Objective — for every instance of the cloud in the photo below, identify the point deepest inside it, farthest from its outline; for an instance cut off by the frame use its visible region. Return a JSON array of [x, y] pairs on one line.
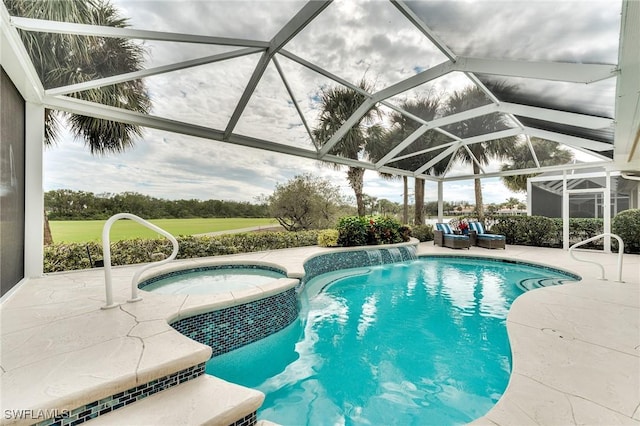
[[352, 39]]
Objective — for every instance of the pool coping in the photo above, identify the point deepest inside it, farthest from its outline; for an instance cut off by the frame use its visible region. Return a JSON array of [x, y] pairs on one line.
[[43, 311]]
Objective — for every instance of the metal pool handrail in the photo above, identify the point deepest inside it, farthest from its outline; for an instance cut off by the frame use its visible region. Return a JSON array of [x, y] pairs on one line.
[[620, 252], [106, 249]]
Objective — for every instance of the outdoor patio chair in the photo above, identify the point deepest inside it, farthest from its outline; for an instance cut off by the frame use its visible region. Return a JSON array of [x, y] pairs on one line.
[[482, 239], [444, 236]]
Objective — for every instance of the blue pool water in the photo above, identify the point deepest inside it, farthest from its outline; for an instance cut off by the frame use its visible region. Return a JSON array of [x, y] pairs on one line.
[[209, 280], [418, 342]]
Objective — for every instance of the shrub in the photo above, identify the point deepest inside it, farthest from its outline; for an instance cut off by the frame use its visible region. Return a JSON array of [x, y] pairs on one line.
[[383, 230], [626, 225], [352, 230], [65, 257], [405, 232], [328, 238], [422, 232], [368, 230], [528, 230]]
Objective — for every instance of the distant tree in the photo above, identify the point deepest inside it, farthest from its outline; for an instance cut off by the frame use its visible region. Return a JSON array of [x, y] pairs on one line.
[[492, 208], [511, 203], [338, 104], [64, 204], [389, 208], [371, 203], [548, 153], [305, 202]]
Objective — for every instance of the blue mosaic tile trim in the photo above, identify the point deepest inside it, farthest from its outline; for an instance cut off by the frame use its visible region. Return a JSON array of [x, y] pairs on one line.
[[152, 280], [230, 328], [248, 420], [355, 259], [106, 405]]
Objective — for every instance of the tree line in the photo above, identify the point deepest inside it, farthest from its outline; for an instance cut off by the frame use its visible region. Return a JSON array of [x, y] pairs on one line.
[[64, 204]]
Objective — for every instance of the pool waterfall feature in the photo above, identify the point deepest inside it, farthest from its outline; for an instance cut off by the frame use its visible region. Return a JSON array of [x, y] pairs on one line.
[[356, 257]]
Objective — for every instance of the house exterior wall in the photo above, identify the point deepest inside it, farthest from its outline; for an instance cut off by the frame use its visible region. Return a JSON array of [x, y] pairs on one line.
[[12, 178]]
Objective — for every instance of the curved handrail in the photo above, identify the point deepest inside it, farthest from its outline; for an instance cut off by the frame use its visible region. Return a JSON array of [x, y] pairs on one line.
[[106, 249], [620, 252]]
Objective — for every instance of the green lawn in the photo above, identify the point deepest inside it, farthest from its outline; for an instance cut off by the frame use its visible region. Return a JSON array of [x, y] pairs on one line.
[[91, 230]]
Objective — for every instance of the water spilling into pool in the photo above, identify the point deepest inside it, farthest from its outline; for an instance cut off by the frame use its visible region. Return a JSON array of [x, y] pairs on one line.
[[418, 342]]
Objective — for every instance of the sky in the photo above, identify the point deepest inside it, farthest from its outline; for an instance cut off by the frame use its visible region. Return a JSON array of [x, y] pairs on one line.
[[354, 40]]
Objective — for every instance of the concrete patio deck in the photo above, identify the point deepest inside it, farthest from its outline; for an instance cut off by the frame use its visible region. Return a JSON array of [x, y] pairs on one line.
[[576, 347]]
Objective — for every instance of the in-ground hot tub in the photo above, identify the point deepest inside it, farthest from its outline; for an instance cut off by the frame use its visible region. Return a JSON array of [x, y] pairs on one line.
[[212, 279]]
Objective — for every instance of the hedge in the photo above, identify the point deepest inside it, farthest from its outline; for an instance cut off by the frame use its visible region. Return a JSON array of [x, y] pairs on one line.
[[547, 232], [522, 230], [65, 257]]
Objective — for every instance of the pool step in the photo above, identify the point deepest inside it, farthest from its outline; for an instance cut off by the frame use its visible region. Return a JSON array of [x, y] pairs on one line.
[[205, 400], [533, 283]]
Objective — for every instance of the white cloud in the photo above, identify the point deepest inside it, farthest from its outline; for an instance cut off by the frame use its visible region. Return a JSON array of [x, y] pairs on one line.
[[351, 39]]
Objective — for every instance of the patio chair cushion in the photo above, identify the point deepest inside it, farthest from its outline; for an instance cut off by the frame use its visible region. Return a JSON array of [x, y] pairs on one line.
[[476, 226], [479, 229], [445, 228], [491, 236]]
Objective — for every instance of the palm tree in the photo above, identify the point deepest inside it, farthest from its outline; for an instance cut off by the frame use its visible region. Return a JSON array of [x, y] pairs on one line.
[[403, 126], [338, 104], [484, 152], [548, 153], [63, 59]]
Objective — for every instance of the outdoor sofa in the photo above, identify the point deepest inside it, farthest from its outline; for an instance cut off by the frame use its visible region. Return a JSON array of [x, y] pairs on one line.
[[481, 238], [444, 236]]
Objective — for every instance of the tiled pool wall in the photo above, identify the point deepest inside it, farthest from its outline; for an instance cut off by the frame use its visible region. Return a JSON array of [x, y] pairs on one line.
[[230, 328], [329, 262], [106, 405], [152, 280], [248, 420]]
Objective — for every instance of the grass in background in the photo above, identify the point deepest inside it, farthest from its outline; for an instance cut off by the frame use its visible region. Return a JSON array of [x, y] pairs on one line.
[[78, 231]]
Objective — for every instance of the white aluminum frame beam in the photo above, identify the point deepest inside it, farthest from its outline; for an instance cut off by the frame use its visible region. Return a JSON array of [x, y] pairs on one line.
[[57, 27], [469, 141], [16, 62], [411, 82], [449, 119], [78, 106], [121, 78], [424, 29], [532, 151], [293, 99], [555, 71], [444, 154], [542, 169], [627, 110], [573, 141], [296, 24], [555, 116]]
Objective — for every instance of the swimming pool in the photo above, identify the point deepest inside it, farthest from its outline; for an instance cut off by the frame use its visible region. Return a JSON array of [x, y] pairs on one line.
[[418, 342], [212, 279]]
